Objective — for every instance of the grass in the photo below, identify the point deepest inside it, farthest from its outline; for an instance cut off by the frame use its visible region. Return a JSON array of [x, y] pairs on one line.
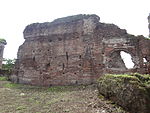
[[20, 108], [122, 76], [12, 85], [141, 78], [58, 88], [3, 78], [125, 89], [17, 98], [64, 88]]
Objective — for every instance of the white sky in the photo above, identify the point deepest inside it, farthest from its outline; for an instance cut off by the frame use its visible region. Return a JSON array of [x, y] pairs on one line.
[[16, 14], [127, 59]]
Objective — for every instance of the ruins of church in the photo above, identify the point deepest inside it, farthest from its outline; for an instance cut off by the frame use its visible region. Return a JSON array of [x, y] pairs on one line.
[[77, 50]]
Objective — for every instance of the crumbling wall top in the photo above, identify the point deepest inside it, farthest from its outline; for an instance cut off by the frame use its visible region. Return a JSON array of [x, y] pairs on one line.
[[75, 18], [71, 24]]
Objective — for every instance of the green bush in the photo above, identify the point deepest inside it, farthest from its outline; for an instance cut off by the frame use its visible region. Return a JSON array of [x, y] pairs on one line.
[[3, 41], [8, 64]]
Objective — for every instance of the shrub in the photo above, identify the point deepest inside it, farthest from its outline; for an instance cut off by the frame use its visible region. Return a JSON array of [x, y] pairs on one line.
[[8, 64]]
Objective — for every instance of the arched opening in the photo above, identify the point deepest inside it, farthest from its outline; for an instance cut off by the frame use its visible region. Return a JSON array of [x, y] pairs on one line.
[[127, 59], [144, 60], [120, 60]]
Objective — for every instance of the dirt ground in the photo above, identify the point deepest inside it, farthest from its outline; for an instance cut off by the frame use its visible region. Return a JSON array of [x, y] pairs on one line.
[[16, 98]]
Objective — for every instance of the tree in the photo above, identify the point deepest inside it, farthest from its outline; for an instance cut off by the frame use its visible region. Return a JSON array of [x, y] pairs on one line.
[[8, 64]]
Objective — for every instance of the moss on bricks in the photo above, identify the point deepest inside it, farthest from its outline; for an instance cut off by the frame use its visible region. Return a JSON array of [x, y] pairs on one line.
[[130, 91]]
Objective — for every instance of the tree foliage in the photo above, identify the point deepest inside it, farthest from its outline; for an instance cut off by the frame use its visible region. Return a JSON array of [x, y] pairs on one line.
[[8, 64], [3, 41]]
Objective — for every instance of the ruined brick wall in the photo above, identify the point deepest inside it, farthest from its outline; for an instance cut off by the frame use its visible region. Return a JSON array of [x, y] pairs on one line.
[[149, 24], [76, 50], [2, 46]]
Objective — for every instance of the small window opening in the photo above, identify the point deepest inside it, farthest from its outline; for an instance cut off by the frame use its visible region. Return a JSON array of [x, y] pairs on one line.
[[50, 40], [76, 82], [59, 39], [48, 65], [144, 60], [63, 66], [67, 55], [33, 58], [79, 56]]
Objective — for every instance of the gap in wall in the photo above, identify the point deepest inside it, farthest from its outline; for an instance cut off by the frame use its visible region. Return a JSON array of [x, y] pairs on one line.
[[127, 59]]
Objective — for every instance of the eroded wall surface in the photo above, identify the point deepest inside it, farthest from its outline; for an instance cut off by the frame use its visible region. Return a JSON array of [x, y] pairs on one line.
[[2, 46], [77, 50], [149, 24]]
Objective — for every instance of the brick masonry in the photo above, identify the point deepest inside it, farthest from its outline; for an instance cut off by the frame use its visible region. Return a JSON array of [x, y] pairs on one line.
[[149, 24], [76, 50]]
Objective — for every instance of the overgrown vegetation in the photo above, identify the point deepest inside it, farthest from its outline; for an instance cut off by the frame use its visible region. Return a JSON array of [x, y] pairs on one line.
[[12, 85], [131, 91], [3, 41], [8, 64]]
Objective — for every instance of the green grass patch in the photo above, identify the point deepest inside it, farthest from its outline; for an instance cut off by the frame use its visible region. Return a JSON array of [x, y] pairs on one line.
[[142, 77], [64, 88], [101, 96], [119, 78], [20, 108], [12, 85], [3, 78], [59, 88], [122, 76]]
